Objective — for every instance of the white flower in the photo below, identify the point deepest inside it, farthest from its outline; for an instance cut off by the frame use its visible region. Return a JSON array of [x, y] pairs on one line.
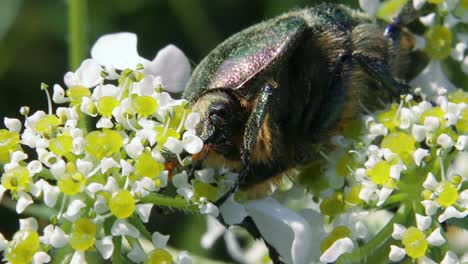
[[396, 253], [41, 257], [451, 212], [118, 50], [214, 229], [369, 6], [122, 228], [87, 75], [136, 255], [432, 79], [173, 66], [159, 240], [284, 229], [338, 248], [12, 124], [73, 210], [105, 246], [419, 155], [184, 258], [144, 211]]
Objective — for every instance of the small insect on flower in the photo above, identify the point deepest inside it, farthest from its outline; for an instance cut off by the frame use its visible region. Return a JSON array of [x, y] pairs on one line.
[[271, 92]]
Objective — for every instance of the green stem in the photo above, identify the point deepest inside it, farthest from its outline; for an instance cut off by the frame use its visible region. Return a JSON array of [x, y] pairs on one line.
[[117, 253], [177, 203], [396, 198], [360, 254], [76, 28]]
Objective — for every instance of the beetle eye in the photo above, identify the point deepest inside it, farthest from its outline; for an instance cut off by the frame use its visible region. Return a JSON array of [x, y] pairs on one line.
[[219, 109]]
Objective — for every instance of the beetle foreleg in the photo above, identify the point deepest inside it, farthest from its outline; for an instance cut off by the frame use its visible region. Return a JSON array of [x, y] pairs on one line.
[[252, 128]]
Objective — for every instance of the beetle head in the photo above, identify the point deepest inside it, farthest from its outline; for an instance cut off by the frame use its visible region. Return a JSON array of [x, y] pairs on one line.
[[221, 124]]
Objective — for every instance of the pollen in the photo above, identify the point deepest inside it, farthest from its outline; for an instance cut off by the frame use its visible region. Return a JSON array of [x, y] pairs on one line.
[[144, 105], [414, 242], [122, 204], [448, 194], [83, 233], [159, 256], [22, 248]]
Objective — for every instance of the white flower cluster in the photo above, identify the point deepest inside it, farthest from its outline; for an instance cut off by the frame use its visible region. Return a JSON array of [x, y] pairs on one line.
[[95, 161]]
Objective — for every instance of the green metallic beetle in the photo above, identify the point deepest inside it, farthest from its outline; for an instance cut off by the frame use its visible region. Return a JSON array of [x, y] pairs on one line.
[[271, 91], [267, 94]]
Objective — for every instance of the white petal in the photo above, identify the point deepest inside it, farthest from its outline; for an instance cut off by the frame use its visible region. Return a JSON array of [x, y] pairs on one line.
[[122, 228], [41, 257], [205, 175], [73, 210], [127, 168], [84, 166], [233, 212], [460, 165], [58, 168], [28, 223], [144, 211], [105, 247], [419, 155], [430, 206], [432, 78], [59, 95], [3, 242], [465, 65], [209, 209], [426, 260], [284, 229], [398, 231], [430, 183], [12, 124], [369, 6], [192, 121], [104, 122], [78, 258], [462, 143], [58, 238], [431, 123], [34, 167], [134, 148], [173, 66], [436, 238], [339, 247], [418, 4], [445, 141], [396, 170], [450, 258], [100, 206], [174, 145], [24, 201], [214, 229], [2, 191], [427, 20], [184, 258], [136, 255], [180, 180], [118, 50], [186, 192], [89, 73], [423, 222], [192, 144], [451, 212], [92, 188], [159, 240], [51, 194], [108, 163], [418, 132], [396, 253], [384, 193]]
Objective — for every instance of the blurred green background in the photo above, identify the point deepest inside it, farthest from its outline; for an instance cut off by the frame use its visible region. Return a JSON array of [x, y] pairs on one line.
[[34, 49]]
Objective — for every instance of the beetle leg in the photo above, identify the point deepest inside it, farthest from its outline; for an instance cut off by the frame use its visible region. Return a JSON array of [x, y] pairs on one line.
[[379, 70], [252, 128]]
